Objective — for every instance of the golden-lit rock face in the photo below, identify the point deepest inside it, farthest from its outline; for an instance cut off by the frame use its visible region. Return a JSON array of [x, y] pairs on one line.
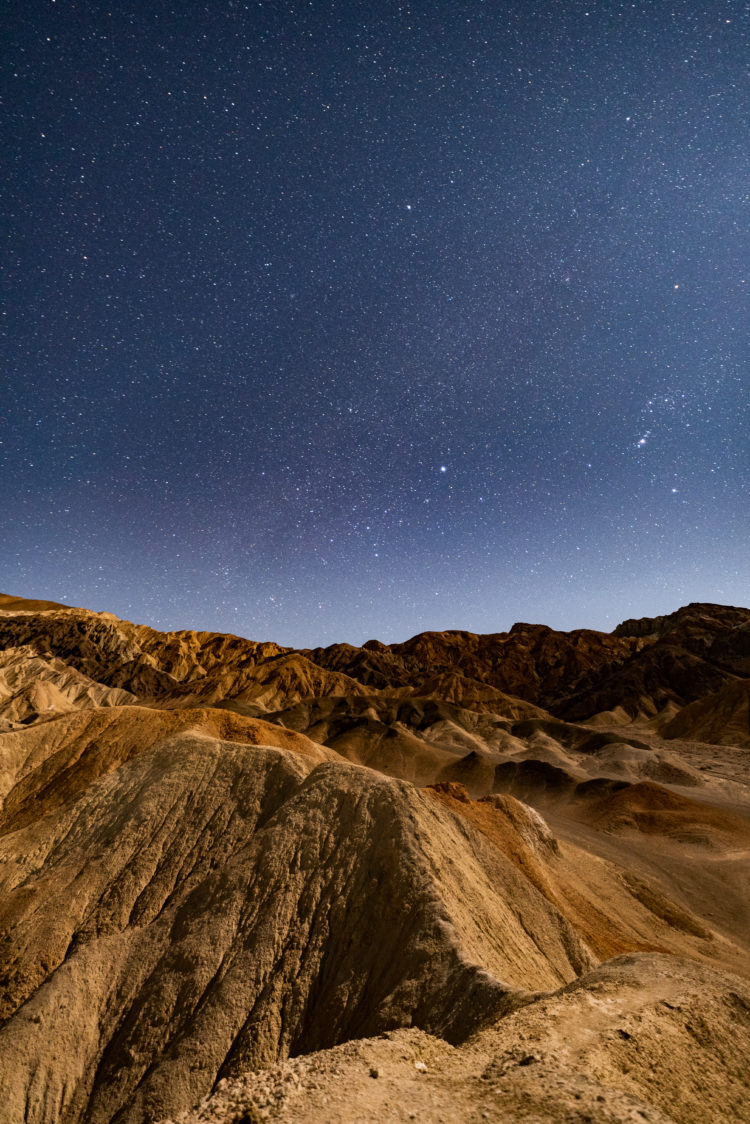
[[216, 854]]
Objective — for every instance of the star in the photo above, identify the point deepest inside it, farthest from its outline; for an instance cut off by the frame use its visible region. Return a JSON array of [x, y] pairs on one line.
[[266, 335]]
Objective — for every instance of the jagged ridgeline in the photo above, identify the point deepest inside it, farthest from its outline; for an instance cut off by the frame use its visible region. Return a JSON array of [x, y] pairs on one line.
[[522, 858]]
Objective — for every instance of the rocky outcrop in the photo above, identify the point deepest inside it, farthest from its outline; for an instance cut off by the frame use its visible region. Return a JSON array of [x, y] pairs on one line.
[[687, 654], [698, 619]]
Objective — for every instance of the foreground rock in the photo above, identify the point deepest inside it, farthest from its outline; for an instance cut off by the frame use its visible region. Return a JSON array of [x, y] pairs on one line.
[[641, 1040], [206, 906]]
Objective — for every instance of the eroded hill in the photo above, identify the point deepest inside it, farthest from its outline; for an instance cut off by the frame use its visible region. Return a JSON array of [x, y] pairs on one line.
[[217, 854]]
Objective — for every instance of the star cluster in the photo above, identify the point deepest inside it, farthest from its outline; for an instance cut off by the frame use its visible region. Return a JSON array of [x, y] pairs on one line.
[[328, 320]]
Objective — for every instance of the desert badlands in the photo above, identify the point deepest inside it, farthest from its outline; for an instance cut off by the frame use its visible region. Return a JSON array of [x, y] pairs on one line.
[[461, 878]]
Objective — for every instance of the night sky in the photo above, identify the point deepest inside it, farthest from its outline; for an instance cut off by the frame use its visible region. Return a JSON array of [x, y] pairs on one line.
[[331, 320]]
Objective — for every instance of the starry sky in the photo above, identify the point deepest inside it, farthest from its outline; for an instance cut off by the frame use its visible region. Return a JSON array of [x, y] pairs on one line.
[[329, 320]]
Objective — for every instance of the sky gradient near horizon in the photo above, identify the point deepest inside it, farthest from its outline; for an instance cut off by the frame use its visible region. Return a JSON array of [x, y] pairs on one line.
[[332, 320]]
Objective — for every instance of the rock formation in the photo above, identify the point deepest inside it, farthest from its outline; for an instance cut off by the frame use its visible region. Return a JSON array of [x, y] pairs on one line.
[[274, 884]]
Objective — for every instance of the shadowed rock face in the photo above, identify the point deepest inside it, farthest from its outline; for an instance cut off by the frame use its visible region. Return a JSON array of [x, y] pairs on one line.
[[644, 1038], [691, 653], [215, 854]]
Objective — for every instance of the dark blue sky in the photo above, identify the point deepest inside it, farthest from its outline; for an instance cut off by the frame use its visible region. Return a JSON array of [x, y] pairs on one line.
[[329, 320]]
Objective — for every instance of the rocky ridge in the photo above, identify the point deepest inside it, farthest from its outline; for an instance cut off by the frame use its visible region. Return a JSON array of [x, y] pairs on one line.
[[216, 854]]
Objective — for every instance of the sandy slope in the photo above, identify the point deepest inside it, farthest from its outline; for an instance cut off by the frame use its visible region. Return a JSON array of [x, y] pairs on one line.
[[642, 1040]]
